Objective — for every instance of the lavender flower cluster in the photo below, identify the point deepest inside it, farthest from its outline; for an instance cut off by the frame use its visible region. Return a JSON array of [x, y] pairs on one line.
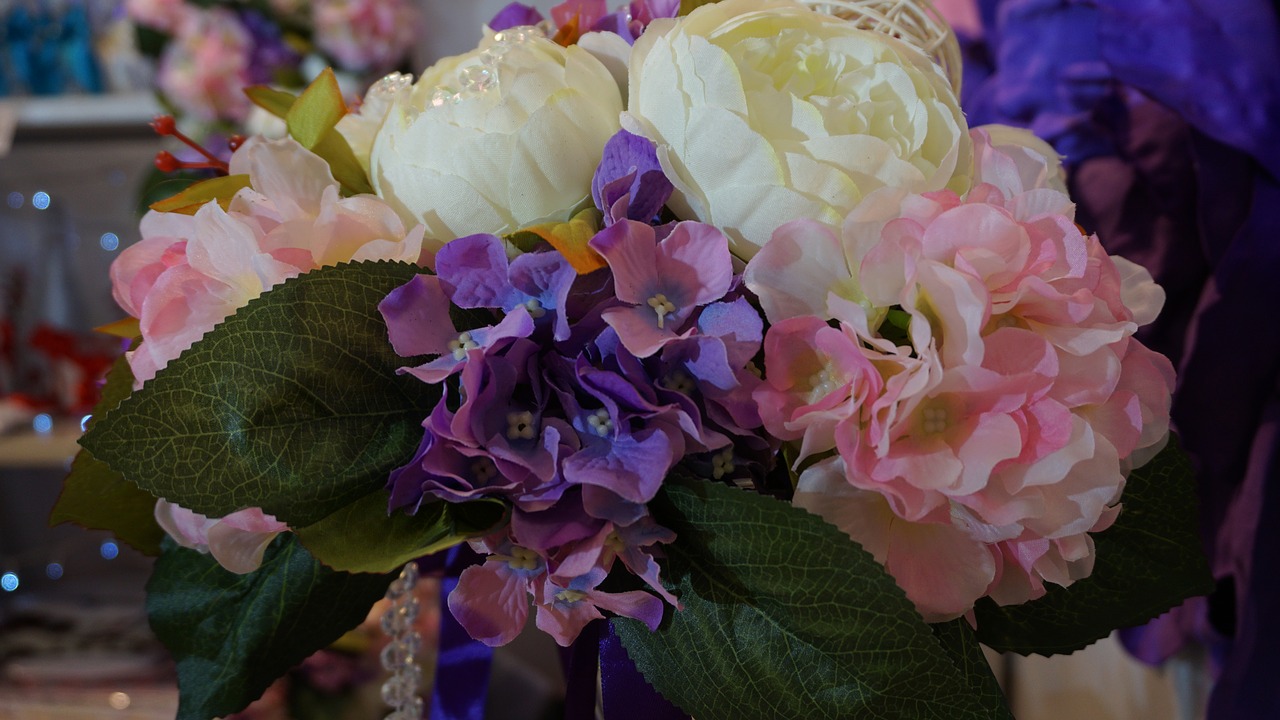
[[579, 398]]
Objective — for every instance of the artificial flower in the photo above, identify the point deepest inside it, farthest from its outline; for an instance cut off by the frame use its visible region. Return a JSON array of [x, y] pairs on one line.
[[784, 112], [458, 152], [970, 362], [365, 35]]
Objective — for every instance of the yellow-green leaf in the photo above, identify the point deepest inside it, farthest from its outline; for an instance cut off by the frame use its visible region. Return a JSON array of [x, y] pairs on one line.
[[128, 328], [276, 102], [343, 164], [219, 190], [317, 110], [363, 537], [96, 497], [688, 6]]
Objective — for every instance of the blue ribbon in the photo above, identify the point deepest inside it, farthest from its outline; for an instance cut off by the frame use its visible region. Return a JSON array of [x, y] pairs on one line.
[[463, 668]]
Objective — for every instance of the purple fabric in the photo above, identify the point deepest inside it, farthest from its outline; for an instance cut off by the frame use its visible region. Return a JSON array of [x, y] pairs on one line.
[[515, 15], [624, 691], [463, 665], [1217, 62]]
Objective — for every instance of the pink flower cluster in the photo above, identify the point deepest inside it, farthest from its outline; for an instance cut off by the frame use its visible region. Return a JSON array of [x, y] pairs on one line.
[[365, 35], [962, 379], [206, 67], [189, 272]]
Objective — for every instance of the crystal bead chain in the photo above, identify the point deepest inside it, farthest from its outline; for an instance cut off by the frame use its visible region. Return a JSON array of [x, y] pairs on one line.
[[400, 656]]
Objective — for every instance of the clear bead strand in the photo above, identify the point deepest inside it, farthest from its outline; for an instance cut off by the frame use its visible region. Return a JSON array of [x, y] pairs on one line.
[[400, 656]]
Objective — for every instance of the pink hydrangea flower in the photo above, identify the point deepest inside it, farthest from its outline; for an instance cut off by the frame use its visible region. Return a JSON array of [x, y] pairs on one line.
[[163, 15], [205, 68], [190, 272], [980, 469], [365, 35]]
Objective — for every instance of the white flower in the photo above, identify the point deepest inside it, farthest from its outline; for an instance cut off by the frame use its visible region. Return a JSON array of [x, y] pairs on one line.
[[496, 139], [766, 111]]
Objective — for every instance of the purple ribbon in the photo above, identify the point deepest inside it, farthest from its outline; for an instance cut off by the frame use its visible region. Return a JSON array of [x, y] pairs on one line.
[[463, 668], [625, 691], [581, 662]]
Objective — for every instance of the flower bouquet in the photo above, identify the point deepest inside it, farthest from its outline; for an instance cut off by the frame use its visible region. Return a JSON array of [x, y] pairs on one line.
[[708, 332]]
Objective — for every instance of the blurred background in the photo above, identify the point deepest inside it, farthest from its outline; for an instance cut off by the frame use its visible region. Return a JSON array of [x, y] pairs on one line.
[[1166, 113]]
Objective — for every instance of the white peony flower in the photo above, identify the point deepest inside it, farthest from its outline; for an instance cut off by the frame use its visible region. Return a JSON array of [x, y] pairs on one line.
[[502, 137], [765, 111]]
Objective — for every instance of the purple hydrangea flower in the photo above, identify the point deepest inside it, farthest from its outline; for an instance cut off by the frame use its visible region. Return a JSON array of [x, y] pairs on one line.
[[629, 183]]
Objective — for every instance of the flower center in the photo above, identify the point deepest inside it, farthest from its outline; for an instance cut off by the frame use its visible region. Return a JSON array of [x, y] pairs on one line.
[[822, 383], [570, 596], [483, 470], [534, 306], [935, 420], [520, 426], [662, 306], [460, 346], [679, 381], [722, 463], [522, 558], [600, 422]]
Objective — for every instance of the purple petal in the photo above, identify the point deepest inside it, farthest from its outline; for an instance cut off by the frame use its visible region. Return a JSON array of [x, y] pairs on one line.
[[738, 325], [566, 522], [473, 270], [491, 603], [694, 265], [634, 159], [645, 11], [638, 329], [615, 23], [708, 362], [605, 504], [633, 466], [636, 604], [563, 621], [417, 317], [515, 15], [547, 277], [630, 248]]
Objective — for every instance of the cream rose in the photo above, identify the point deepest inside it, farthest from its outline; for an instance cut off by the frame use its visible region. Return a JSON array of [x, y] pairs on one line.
[[502, 137], [767, 111]]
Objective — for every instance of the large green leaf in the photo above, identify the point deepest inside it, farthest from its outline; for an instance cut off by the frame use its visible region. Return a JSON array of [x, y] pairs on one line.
[[233, 635], [786, 617], [362, 537], [959, 640], [293, 404], [97, 497], [1148, 562]]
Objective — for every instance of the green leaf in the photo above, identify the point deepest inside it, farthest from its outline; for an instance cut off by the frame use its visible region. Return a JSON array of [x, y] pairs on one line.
[[233, 635], [292, 404], [688, 6], [343, 164], [363, 538], [961, 643], [316, 111], [194, 197], [96, 497], [276, 102], [786, 617], [1148, 562]]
